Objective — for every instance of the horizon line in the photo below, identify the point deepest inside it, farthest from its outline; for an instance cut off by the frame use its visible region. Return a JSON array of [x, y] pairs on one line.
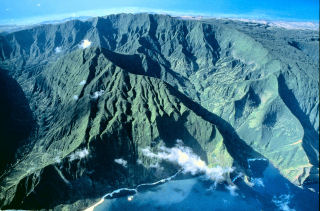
[[87, 14]]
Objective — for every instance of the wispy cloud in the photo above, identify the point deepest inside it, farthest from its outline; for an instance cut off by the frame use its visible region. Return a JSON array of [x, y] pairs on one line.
[[258, 182], [155, 165], [282, 202], [122, 162], [232, 189], [79, 154], [97, 94], [85, 44], [38, 5], [188, 161]]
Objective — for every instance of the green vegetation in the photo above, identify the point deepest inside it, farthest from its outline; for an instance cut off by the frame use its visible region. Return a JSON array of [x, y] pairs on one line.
[[230, 90]]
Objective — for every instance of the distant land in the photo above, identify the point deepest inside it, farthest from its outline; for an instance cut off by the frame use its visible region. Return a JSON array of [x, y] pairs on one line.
[[8, 25]]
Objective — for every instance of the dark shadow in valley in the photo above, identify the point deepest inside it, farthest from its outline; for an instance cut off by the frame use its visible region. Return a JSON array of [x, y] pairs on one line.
[[16, 120], [134, 64], [236, 147], [130, 63]]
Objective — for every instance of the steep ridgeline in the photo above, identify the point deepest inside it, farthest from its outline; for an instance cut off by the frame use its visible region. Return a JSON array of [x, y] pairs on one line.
[[231, 91]]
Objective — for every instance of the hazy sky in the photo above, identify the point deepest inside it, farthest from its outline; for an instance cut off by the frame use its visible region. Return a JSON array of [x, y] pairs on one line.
[[304, 10]]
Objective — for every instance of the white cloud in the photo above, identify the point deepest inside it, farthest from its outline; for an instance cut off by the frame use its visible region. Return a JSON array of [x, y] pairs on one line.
[[58, 50], [303, 25], [122, 162], [97, 94], [179, 142], [257, 182], [295, 25], [130, 198], [85, 44], [188, 161], [79, 154], [232, 189], [282, 202], [155, 165], [83, 82], [38, 5], [57, 159], [75, 97]]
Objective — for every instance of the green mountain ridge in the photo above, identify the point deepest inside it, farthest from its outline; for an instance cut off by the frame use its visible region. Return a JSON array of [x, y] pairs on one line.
[[231, 91]]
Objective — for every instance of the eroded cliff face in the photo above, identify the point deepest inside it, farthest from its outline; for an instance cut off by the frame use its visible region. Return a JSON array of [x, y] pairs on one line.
[[231, 91]]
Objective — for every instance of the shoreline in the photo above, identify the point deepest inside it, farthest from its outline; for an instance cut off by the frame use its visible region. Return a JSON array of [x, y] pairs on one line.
[[120, 191]]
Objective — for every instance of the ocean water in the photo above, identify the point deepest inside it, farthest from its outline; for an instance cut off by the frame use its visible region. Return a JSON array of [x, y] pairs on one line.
[[266, 190]]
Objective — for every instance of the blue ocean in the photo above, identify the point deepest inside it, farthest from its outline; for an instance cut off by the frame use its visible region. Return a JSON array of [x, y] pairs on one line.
[[265, 190]]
